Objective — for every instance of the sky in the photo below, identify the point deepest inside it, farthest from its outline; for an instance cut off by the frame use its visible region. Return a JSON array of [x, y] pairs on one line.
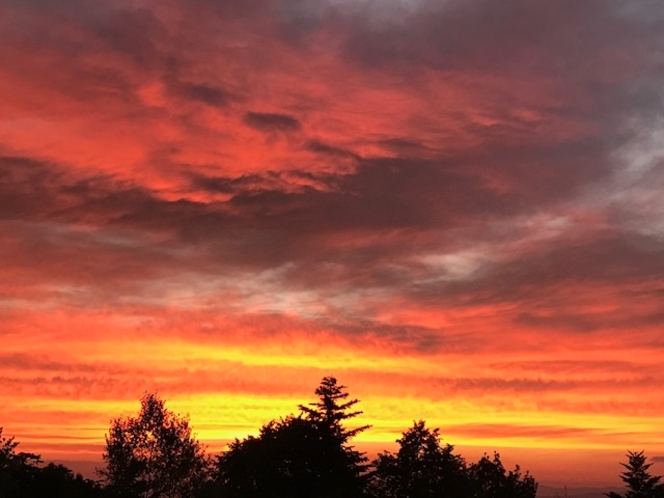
[[454, 207]]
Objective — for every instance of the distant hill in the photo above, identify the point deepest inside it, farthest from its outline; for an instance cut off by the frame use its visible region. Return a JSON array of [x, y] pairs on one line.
[[553, 492]]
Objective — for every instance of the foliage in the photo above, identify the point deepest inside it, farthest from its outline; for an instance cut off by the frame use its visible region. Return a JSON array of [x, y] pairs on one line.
[[153, 455], [491, 480], [299, 456], [21, 476], [283, 461], [16, 469], [331, 409], [640, 484], [327, 414], [422, 468]]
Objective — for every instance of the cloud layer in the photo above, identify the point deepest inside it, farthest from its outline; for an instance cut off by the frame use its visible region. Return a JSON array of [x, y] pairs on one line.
[[455, 207]]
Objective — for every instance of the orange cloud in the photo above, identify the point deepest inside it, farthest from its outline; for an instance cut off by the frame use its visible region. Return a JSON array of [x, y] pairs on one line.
[[458, 216]]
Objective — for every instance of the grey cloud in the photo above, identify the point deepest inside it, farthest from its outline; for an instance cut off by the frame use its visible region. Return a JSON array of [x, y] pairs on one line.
[[269, 122], [248, 183], [560, 36], [591, 55], [27, 186], [582, 322], [329, 150], [600, 258], [405, 147], [136, 33], [210, 95], [266, 212], [269, 222]]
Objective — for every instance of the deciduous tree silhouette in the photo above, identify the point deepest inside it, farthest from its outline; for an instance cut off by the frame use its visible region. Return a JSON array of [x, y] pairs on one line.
[[299, 456], [17, 469], [153, 455], [22, 477], [640, 484], [491, 480], [422, 468]]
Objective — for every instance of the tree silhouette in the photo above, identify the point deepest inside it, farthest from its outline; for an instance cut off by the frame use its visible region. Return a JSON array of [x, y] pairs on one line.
[[331, 409], [422, 468], [639, 482], [21, 476], [491, 480], [283, 461], [328, 413], [17, 469], [58, 481], [299, 456], [309, 455], [153, 455]]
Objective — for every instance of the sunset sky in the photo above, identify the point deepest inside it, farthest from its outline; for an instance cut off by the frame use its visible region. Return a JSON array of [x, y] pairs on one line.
[[455, 207]]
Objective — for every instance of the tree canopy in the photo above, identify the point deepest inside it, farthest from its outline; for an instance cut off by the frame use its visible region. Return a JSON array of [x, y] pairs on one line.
[[424, 468], [299, 456], [303, 455], [21, 476], [492, 480], [153, 455]]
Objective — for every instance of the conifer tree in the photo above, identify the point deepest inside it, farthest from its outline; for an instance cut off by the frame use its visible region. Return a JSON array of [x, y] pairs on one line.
[[299, 456], [331, 409], [640, 484], [328, 413]]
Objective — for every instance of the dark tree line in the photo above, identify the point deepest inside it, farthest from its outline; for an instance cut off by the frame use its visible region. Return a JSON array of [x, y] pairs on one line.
[[23, 476], [309, 455]]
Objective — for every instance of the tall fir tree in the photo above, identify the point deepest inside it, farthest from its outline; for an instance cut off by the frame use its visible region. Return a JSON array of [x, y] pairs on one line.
[[640, 483], [299, 456]]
